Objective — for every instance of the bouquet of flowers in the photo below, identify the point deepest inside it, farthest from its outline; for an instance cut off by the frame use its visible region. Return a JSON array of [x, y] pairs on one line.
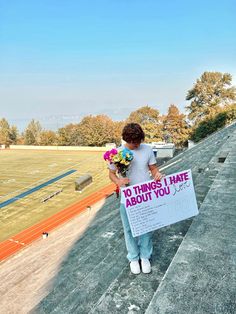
[[121, 159]]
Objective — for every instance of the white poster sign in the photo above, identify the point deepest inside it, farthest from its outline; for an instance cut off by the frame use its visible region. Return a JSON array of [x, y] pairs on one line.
[[152, 205]]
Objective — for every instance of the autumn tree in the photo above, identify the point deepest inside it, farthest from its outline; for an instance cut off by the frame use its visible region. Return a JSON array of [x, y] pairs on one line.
[[32, 133], [150, 121], [98, 130], [118, 127], [230, 111], [209, 95], [20, 139], [5, 132], [48, 137], [8, 134], [212, 124], [70, 135], [14, 134], [175, 127]]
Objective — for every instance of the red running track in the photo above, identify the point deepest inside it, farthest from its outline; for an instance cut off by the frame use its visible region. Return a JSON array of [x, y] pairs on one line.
[[27, 236]]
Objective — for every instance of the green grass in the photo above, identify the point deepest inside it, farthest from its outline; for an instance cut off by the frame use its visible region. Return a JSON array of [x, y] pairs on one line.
[[23, 170]]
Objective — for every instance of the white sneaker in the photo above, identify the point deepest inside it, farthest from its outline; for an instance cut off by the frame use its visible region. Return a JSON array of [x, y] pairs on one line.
[[135, 267], [146, 266]]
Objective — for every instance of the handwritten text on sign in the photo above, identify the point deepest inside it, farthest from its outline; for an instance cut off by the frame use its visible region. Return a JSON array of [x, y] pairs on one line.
[[154, 204]]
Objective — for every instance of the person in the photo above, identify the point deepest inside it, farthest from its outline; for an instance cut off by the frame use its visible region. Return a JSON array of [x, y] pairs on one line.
[[143, 163]]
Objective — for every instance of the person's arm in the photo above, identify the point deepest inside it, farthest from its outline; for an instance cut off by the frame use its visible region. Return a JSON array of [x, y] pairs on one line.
[[157, 175], [118, 181]]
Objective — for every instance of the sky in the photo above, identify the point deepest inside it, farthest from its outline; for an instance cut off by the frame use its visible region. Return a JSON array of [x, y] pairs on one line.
[[61, 60]]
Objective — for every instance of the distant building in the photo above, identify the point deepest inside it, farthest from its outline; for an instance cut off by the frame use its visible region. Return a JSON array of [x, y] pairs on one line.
[[110, 145], [163, 149], [190, 144]]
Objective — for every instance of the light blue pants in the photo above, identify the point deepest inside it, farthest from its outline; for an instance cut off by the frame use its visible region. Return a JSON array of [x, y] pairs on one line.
[[137, 247]]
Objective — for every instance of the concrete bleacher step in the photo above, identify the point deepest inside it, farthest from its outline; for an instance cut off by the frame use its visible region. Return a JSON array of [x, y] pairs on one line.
[[87, 253], [201, 277], [135, 292], [87, 292]]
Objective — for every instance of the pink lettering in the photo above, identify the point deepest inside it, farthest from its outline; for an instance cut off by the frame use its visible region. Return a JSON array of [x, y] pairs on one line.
[[162, 192], [138, 199], [179, 178]]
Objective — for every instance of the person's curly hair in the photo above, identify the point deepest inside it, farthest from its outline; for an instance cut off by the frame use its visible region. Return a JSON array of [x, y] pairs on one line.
[[133, 133]]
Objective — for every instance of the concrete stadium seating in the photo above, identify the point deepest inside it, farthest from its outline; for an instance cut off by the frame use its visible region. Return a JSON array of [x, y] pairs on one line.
[[194, 261]]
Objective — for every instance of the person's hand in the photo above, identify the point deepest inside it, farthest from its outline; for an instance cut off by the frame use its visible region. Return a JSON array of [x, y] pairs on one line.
[[158, 176], [123, 182]]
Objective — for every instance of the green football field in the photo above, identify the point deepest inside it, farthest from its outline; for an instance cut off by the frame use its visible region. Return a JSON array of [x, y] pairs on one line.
[[22, 170]]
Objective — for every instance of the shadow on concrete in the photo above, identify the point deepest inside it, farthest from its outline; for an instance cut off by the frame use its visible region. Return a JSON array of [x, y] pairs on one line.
[[96, 268]]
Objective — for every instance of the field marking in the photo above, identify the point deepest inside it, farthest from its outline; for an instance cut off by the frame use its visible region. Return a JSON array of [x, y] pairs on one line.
[[80, 163], [36, 188], [15, 241], [24, 188]]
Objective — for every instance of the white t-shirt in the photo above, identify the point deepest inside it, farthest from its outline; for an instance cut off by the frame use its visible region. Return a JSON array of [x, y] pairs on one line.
[[138, 170]]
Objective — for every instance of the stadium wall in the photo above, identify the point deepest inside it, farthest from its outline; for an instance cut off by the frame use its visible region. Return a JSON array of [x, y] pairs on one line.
[[71, 148]]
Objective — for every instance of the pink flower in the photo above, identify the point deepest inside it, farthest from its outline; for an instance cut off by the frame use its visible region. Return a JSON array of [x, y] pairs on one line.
[[109, 154], [113, 151], [106, 155]]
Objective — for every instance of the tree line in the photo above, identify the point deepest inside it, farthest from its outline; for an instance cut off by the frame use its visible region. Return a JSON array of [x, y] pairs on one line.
[[212, 106]]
